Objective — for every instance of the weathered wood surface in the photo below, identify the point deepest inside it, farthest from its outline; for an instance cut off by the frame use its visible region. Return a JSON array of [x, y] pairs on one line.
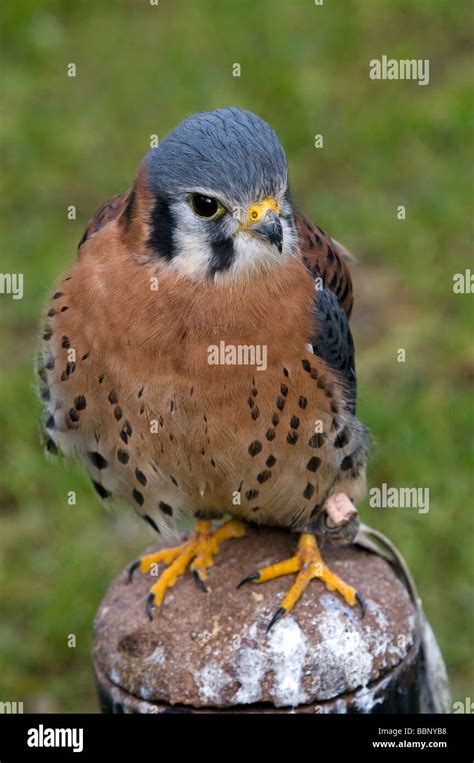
[[210, 651]]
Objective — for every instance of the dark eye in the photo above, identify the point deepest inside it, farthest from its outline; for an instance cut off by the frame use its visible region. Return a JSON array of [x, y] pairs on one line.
[[205, 206]]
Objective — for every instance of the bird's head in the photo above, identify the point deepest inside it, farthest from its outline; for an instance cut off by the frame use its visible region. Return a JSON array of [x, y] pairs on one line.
[[220, 202]]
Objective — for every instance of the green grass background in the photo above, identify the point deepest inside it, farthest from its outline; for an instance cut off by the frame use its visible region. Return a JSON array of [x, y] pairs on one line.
[[140, 70]]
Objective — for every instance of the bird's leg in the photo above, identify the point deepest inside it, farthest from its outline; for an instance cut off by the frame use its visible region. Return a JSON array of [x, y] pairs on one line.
[[309, 564], [197, 553]]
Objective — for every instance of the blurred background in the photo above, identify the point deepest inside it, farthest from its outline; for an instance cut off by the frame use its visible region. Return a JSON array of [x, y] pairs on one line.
[[76, 141]]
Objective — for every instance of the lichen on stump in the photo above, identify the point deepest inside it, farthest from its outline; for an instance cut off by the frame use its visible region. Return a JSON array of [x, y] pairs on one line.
[[211, 651]]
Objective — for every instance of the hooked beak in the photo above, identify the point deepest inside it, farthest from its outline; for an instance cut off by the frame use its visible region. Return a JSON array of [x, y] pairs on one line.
[[264, 222]]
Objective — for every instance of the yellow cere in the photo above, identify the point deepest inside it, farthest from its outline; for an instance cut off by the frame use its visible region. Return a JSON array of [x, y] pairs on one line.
[[259, 210]]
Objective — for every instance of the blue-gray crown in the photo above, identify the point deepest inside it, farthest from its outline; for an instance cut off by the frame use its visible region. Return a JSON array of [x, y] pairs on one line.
[[228, 151]]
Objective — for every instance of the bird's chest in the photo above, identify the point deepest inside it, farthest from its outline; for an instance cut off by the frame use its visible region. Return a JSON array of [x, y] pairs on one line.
[[231, 426]]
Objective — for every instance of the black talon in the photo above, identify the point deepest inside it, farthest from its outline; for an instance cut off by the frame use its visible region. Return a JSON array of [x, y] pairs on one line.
[[277, 616], [253, 576], [132, 569], [361, 603], [149, 605], [199, 581]]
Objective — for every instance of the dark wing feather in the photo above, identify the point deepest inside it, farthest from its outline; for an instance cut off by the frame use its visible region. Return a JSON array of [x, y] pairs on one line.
[[107, 212], [332, 303], [325, 258], [333, 340]]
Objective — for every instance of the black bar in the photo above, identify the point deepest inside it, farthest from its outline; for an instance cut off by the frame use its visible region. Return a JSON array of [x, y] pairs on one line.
[[238, 736]]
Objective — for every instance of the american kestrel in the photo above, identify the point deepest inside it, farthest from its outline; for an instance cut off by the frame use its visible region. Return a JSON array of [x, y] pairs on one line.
[[197, 355]]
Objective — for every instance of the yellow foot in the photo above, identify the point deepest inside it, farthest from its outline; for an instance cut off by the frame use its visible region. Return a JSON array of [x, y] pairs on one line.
[[308, 563], [197, 553]]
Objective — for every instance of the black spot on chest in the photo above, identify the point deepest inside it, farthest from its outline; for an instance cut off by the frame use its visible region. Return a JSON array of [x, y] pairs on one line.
[[316, 440], [123, 456], [73, 415], [152, 523], [97, 459], [101, 490], [80, 403], [346, 463], [313, 464], [255, 447], [165, 508], [51, 446], [138, 497], [343, 438], [140, 476]]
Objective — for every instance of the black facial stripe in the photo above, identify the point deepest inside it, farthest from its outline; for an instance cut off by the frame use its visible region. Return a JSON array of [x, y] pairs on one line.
[[161, 230], [222, 255]]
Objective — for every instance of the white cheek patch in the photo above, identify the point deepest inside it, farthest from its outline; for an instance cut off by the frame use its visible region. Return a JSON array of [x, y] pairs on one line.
[[193, 255], [192, 250]]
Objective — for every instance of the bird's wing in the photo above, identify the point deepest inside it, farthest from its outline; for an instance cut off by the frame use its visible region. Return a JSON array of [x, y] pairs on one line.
[[111, 209], [326, 258], [332, 301]]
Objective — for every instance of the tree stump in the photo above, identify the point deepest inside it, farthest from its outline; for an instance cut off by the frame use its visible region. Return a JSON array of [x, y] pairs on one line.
[[209, 652]]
